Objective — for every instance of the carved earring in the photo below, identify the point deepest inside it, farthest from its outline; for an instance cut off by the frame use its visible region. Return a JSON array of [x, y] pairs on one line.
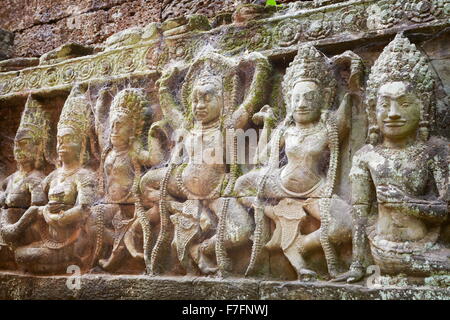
[[324, 115], [374, 135], [423, 130]]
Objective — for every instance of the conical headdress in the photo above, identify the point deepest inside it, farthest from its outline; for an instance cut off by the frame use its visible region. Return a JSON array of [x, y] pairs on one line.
[[77, 114], [35, 123], [215, 69]]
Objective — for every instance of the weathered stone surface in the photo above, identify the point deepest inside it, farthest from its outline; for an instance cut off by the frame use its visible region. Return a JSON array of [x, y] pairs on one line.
[[6, 43], [107, 287], [46, 26], [17, 64], [351, 175]]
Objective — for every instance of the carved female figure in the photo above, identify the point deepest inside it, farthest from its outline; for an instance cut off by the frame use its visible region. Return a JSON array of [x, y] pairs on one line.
[[310, 136], [402, 175], [71, 189], [22, 191], [212, 93], [122, 161]]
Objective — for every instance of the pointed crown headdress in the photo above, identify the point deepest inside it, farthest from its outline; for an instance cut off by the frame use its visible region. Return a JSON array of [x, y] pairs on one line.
[[77, 114], [309, 64], [130, 103], [401, 61], [35, 122]]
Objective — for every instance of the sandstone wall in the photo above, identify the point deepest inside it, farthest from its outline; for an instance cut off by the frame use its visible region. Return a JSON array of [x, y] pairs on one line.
[[42, 25]]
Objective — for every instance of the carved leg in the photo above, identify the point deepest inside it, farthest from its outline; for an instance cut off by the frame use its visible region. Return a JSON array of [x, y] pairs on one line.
[[13, 226], [204, 258], [294, 256], [234, 229], [115, 260], [146, 232]]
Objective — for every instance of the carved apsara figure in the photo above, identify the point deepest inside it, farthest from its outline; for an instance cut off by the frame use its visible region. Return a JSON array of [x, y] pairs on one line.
[[400, 179], [21, 193], [310, 136], [71, 190], [122, 161], [219, 94]]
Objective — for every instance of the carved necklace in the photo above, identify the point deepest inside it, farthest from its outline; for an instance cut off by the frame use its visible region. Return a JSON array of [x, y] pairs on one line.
[[53, 243], [68, 173], [209, 127], [411, 152], [302, 133]]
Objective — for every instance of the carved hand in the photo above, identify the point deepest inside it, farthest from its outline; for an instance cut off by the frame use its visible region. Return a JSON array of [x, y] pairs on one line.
[[103, 95], [391, 194], [265, 115], [55, 207], [156, 129], [166, 77]]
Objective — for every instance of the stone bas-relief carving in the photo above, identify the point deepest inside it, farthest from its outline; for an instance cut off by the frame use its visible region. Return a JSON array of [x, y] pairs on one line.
[[63, 236], [403, 171], [207, 220], [310, 136], [122, 213], [149, 178], [22, 192]]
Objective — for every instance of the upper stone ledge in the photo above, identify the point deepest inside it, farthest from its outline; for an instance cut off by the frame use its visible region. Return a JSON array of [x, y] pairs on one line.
[[272, 31]]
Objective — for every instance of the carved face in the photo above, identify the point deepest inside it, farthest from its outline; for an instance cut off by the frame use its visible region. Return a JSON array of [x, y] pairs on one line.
[[25, 149], [68, 144], [207, 103], [306, 102], [398, 110], [121, 131]]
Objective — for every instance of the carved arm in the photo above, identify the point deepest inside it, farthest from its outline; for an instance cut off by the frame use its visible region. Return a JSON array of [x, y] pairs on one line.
[[169, 105], [257, 90]]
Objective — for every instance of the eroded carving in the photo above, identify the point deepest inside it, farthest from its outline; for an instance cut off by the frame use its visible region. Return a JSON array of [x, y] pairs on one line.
[[64, 236], [403, 174], [149, 175], [198, 188], [22, 192], [122, 161], [310, 137]]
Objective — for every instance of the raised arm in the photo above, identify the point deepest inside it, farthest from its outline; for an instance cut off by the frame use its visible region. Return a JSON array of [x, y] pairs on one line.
[[353, 63], [171, 109], [263, 150], [156, 141], [257, 91], [101, 110]]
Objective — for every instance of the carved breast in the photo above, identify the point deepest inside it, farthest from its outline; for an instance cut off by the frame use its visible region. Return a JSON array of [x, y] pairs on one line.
[[119, 175], [18, 195], [63, 190], [306, 159], [206, 167]]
